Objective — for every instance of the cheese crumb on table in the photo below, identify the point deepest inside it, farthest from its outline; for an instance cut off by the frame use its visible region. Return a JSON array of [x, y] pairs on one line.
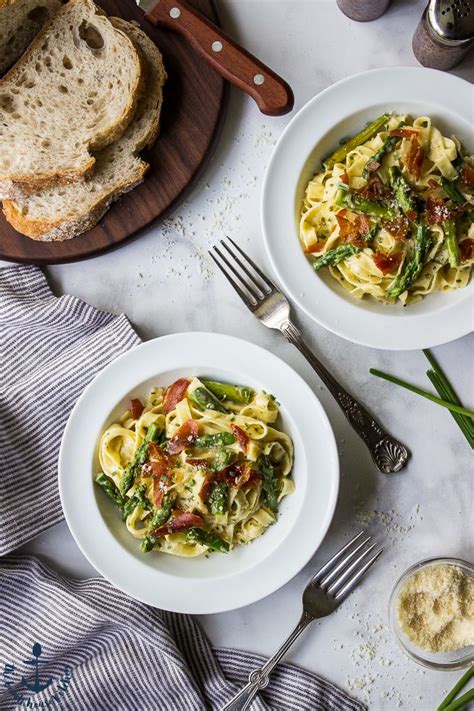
[[435, 608]]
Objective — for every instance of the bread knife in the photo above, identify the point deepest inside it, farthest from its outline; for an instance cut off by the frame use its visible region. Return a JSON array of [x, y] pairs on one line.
[[272, 94]]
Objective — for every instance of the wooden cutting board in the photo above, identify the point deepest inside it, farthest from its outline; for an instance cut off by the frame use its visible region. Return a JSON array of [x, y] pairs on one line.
[[193, 110]]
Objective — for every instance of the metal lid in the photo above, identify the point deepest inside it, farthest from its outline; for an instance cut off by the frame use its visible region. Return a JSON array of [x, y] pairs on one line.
[[452, 20]]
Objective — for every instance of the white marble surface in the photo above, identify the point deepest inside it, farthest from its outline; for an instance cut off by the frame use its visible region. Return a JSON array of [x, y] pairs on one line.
[[165, 283]]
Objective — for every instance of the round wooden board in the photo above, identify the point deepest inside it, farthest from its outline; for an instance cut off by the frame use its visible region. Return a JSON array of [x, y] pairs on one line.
[[193, 112]]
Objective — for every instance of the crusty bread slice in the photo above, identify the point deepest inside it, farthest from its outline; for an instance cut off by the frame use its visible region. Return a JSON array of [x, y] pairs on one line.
[[63, 212], [73, 91], [20, 22]]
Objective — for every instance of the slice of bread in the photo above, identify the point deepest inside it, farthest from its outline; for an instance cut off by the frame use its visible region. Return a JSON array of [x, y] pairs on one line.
[[74, 90], [20, 22], [63, 212]]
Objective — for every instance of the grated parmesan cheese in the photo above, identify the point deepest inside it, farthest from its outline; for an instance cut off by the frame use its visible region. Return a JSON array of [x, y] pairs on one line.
[[436, 608]]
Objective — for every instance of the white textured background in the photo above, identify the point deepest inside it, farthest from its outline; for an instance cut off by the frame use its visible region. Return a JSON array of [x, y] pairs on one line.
[[165, 283]]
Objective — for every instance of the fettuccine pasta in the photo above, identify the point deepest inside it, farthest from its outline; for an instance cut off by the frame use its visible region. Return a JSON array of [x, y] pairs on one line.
[[200, 466], [391, 214]]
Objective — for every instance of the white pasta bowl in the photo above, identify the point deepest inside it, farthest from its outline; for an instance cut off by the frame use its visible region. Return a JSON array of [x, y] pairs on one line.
[[314, 132], [222, 581]]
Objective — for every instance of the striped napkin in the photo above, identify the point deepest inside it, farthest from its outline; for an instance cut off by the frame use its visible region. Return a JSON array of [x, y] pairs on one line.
[[82, 645], [50, 349], [102, 650]]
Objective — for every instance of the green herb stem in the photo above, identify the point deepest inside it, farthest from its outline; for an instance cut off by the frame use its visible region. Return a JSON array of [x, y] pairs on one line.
[[413, 388]]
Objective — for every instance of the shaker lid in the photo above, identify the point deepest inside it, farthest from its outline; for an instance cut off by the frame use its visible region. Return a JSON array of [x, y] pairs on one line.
[[452, 19]]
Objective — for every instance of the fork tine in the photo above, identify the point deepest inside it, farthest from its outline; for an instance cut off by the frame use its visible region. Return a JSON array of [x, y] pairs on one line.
[[233, 283], [234, 271], [342, 565], [254, 266], [347, 573], [327, 566], [352, 582], [264, 291]]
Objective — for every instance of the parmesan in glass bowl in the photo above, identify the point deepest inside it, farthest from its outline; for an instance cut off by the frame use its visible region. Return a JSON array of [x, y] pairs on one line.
[[431, 613]]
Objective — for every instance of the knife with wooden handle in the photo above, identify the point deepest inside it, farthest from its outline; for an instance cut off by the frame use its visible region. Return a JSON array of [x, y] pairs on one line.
[[271, 93]]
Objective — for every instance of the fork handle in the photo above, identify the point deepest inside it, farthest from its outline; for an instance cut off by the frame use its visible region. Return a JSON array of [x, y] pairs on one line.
[[388, 454], [259, 678]]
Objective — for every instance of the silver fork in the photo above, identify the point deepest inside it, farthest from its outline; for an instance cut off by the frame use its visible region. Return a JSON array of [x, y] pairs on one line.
[[326, 590], [272, 308]]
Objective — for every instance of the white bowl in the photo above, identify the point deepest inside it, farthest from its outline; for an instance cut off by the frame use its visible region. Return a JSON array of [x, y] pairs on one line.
[[342, 110], [221, 582]]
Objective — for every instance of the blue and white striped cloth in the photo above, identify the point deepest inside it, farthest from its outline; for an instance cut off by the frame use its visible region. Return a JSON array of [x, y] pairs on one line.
[[50, 349], [95, 648], [105, 651]]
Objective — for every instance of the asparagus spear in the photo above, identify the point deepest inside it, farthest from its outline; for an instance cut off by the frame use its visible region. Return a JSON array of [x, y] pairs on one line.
[[153, 433], [378, 157], [269, 483], [138, 499], [224, 391], [454, 255], [141, 455], [110, 488], [383, 210], [357, 140], [222, 459], [207, 538], [451, 190], [205, 400], [159, 518], [221, 439], [403, 192], [334, 256], [414, 265], [217, 499]]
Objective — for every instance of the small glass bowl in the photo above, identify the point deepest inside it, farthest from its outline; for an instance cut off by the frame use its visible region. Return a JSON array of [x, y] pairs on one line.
[[443, 661]]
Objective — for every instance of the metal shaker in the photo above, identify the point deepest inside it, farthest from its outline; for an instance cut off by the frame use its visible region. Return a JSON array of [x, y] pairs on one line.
[[445, 33]]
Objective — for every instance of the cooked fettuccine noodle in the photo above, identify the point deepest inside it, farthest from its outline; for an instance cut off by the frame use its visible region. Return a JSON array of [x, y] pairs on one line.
[[391, 213], [200, 467]]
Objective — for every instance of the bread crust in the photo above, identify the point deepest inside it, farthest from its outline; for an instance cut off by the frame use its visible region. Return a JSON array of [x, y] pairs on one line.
[[142, 135], [27, 183], [60, 230]]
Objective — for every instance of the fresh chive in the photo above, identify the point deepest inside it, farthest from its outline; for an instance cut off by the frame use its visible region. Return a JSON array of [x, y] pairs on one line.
[[456, 689], [447, 392], [414, 389], [463, 422], [462, 701]]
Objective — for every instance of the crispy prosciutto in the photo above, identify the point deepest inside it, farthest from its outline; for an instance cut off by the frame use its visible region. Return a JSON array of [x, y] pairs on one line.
[[240, 436], [183, 521], [399, 227], [248, 477], [174, 394], [375, 190], [466, 247], [467, 175], [184, 437], [404, 132], [352, 230], [159, 466], [437, 211], [387, 262], [136, 408], [316, 247]]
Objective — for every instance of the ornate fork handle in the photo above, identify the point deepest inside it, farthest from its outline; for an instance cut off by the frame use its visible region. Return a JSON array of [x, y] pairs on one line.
[[259, 678], [388, 454]]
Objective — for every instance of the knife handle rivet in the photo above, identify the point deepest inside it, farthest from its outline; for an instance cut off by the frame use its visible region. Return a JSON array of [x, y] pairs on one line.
[[217, 46], [258, 79], [175, 12]]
